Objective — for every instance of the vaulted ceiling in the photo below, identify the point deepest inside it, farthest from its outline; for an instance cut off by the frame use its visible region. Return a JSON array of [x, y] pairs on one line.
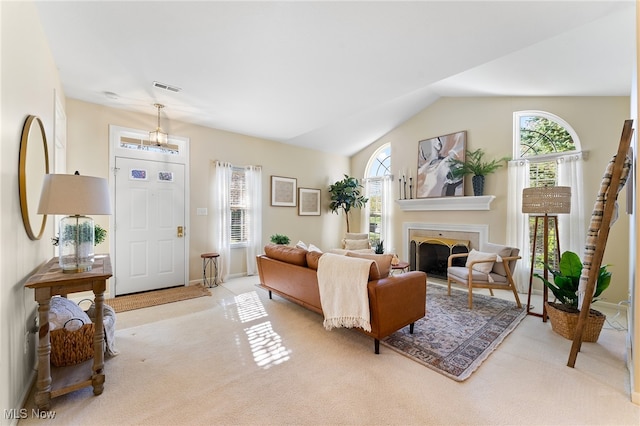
[[333, 76]]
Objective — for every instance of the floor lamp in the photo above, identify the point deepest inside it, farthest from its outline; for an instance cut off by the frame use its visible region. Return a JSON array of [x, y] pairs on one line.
[[545, 202]]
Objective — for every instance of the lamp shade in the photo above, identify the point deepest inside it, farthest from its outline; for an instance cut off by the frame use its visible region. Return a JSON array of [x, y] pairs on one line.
[[546, 200], [74, 195]]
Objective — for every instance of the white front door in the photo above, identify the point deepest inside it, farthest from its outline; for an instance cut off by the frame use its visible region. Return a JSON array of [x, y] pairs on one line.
[[149, 225]]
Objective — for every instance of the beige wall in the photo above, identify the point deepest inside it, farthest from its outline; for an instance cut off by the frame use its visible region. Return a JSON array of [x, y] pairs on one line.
[[634, 253], [489, 124], [87, 141], [29, 78]]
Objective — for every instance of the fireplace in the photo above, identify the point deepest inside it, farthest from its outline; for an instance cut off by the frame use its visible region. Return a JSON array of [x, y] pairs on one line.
[[428, 246]]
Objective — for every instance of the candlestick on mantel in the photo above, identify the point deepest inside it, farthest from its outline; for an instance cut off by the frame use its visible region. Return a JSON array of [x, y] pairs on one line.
[[400, 188], [410, 187]]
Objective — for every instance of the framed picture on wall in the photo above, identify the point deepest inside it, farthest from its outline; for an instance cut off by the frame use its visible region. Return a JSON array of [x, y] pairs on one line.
[[434, 170], [283, 191], [308, 202]]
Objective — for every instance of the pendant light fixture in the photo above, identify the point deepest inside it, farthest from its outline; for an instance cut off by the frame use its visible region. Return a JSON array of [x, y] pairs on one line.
[[158, 137]]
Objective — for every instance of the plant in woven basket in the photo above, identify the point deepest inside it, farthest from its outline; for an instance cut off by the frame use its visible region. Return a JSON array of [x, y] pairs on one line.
[[566, 281]]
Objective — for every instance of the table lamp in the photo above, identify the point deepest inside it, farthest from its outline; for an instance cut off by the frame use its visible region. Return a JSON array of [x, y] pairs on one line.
[[544, 201], [75, 196]]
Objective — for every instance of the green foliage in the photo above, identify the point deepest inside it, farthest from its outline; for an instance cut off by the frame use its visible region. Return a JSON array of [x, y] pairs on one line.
[[567, 280], [345, 195], [99, 234], [539, 135], [475, 164], [279, 239], [379, 247]]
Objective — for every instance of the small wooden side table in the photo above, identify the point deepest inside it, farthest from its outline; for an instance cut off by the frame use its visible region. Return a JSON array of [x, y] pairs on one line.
[[400, 266], [50, 281]]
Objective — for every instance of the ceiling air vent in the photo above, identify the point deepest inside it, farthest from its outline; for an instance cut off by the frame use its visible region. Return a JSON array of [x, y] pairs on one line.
[[166, 87]]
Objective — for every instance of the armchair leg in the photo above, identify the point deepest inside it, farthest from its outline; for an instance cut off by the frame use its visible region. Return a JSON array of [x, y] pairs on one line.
[[470, 287], [411, 327], [515, 294], [376, 346], [270, 295], [448, 286]]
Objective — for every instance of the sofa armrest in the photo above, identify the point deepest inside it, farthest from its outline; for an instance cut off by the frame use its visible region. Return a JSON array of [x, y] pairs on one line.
[[397, 301]]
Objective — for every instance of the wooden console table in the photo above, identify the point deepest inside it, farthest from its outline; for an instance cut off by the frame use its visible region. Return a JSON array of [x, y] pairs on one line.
[[50, 281]]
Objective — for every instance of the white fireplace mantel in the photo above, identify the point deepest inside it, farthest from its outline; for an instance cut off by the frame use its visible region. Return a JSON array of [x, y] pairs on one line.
[[447, 203]]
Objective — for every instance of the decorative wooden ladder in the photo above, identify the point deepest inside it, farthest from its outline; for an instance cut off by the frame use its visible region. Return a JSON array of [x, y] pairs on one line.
[[611, 197]]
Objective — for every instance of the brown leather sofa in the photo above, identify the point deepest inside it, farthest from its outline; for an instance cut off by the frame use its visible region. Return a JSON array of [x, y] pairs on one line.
[[394, 301]]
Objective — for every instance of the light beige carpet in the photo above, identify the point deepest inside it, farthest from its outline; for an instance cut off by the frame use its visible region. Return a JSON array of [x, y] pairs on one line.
[[239, 358], [156, 297]]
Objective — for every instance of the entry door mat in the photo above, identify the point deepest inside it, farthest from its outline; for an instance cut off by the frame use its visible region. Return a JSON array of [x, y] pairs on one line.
[[452, 339], [156, 297]]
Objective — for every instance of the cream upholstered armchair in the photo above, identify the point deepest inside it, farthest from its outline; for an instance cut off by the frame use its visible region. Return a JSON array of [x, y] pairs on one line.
[[492, 268]]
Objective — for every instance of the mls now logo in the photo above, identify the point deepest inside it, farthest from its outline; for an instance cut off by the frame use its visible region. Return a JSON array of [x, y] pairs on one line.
[[23, 413]]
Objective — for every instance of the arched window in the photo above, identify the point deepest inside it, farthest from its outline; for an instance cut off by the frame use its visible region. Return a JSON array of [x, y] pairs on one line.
[[377, 184], [546, 152]]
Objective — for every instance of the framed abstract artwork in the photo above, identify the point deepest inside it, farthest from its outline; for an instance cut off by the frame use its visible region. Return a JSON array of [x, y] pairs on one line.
[[283, 191], [434, 177], [308, 202]]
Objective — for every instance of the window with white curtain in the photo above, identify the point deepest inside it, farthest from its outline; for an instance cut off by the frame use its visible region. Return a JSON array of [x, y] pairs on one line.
[[238, 203], [546, 153], [377, 183], [237, 213]]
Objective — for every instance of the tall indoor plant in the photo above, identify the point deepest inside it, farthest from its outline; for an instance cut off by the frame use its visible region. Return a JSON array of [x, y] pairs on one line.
[[475, 164], [345, 195], [564, 313]]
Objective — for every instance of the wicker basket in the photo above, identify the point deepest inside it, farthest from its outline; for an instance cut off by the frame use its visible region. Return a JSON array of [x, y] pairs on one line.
[[72, 347], [564, 323]]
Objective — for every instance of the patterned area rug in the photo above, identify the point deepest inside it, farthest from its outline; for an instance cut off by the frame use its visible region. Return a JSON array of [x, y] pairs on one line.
[[157, 297], [453, 340]]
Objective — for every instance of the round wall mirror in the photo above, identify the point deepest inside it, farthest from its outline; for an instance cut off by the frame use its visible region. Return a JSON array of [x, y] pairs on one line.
[[34, 165]]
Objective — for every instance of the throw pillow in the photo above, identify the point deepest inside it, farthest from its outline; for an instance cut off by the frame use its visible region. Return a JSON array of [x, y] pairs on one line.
[[356, 236], [314, 248], [356, 244], [484, 267], [383, 261], [301, 245]]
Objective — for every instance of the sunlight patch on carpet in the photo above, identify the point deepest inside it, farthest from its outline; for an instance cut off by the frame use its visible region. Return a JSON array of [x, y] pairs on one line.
[[452, 339]]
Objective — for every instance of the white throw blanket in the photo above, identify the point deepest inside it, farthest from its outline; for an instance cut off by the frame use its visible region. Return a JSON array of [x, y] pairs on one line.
[[342, 282]]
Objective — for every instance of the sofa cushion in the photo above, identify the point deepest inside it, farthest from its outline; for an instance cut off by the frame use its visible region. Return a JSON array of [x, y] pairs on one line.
[[383, 262], [293, 255], [312, 259], [356, 244], [501, 251]]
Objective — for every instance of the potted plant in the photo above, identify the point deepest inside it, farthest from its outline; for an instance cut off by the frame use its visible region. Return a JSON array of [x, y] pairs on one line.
[[280, 239], [563, 314], [99, 234], [475, 164], [379, 247], [345, 195]]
